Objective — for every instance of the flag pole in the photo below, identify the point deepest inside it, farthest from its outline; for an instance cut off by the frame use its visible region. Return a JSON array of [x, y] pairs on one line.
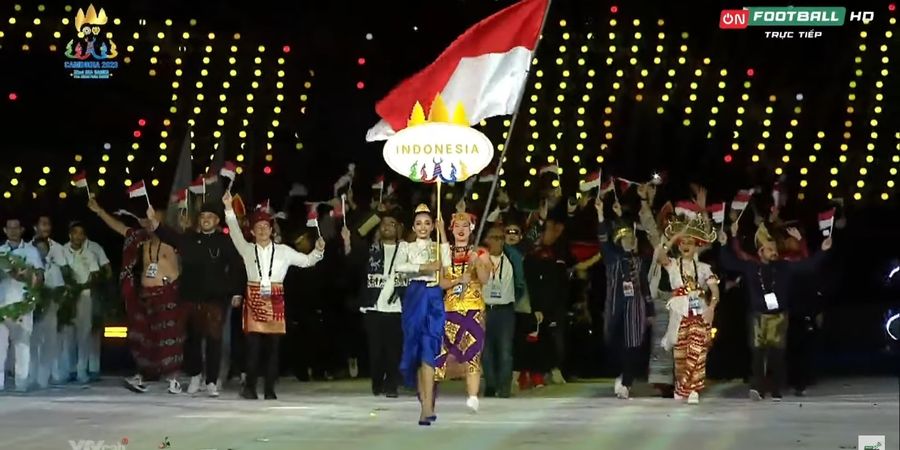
[[146, 194], [87, 186], [512, 126], [440, 223]]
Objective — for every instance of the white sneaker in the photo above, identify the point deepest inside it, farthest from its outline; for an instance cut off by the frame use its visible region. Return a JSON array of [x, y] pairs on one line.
[[618, 386], [694, 398], [472, 403], [194, 386], [354, 368], [212, 390], [174, 386], [755, 396], [623, 394], [557, 377]]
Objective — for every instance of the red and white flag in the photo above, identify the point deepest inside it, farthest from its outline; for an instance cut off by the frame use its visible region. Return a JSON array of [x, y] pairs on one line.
[[137, 190], [379, 183], [826, 222], [485, 69], [717, 210], [591, 182], [228, 170], [778, 197], [551, 168], [182, 199], [625, 184], [607, 185], [741, 199], [80, 180], [198, 186], [688, 209], [312, 215]]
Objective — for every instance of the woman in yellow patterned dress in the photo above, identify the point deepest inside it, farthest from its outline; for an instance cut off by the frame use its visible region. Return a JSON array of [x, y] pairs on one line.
[[465, 272]]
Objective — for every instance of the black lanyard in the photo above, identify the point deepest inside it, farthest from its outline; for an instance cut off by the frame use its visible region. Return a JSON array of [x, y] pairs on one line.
[[493, 278], [762, 283], [150, 252], [271, 261]]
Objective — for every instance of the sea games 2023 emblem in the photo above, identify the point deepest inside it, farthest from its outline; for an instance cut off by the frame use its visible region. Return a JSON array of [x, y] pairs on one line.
[[92, 51]]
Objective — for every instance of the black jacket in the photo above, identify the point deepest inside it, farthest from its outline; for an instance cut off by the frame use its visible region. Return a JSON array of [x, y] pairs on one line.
[[211, 268], [778, 277], [547, 277]]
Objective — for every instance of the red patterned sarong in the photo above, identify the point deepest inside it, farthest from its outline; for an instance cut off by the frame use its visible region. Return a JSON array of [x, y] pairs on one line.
[[690, 351], [264, 315], [156, 330]]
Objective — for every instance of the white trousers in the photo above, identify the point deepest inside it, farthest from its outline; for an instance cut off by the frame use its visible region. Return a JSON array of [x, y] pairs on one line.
[[76, 342], [45, 347], [16, 334]]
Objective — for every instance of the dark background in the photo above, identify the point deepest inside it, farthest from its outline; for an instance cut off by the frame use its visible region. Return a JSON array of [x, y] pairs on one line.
[[56, 117]]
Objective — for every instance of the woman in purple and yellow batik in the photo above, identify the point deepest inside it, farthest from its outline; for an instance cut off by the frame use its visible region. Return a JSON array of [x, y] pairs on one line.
[[465, 272]]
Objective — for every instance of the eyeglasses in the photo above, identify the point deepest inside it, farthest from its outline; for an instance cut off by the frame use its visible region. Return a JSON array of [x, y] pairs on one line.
[[513, 232]]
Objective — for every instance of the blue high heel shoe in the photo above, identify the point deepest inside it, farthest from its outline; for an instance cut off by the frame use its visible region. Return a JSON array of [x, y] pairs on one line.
[[424, 423], [432, 418]]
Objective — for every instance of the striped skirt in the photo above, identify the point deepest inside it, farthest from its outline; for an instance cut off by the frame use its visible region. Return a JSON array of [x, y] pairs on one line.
[[690, 352]]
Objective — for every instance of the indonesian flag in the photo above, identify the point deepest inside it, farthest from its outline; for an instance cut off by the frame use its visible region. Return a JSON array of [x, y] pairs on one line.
[[717, 210], [625, 184], [485, 69], [552, 168], [198, 186], [592, 181], [80, 180], [778, 197], [182, 200], [137, 190], [312, 216], [741, 199], [687, 209], [379, 183], [826, 222], [229, 170], [606, 186]]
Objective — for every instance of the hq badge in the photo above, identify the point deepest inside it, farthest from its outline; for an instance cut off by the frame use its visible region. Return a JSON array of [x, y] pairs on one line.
[[91, 53]]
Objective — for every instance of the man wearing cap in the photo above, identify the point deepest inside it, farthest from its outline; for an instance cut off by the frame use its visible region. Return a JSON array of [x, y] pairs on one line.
[[212, 279], [628, 300], [267, 264]]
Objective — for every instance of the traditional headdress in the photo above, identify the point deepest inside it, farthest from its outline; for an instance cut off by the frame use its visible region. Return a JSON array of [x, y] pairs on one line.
[[762, 235], [422, 209], [463, 216], [698, 228], [622, 229], [260, 215]]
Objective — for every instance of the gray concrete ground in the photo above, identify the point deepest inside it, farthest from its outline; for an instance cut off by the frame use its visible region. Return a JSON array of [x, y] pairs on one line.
[[342, 415]]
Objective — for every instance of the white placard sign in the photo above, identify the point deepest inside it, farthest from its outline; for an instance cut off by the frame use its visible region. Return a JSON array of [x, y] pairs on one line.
[[438, 151]]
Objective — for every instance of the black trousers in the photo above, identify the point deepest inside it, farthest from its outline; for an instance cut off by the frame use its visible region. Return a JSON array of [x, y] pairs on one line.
[[802, 344], [385, 334], [524, 352], [204, 321], [256, 345]]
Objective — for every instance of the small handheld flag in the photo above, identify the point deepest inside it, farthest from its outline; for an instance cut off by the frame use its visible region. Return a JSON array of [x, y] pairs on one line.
[[80, 181], [138, 189], [826, 222], [717, 210]]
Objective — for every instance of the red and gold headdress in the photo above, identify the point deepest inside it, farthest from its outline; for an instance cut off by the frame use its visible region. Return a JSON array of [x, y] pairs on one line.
[[463, 217], [699, 228]]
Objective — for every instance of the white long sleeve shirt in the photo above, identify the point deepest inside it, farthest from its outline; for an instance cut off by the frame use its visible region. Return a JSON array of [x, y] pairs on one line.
[[421, 252], [273, 261]]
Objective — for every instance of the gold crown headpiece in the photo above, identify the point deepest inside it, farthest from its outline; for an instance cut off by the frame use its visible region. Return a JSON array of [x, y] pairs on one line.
[[438, 113], [699, 228], [621, 231], [423, 209], [762, 235], [90, 18]]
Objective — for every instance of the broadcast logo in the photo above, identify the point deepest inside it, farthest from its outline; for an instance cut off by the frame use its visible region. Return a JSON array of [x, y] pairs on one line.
[[789, 16], [871, 443]]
